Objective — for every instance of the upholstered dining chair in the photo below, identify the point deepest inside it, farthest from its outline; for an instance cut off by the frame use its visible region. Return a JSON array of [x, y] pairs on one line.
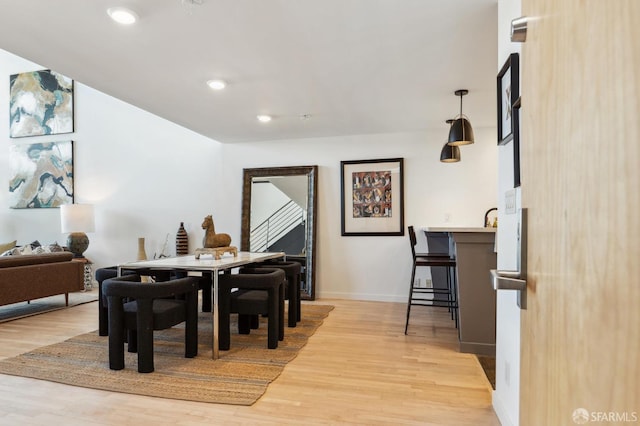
[[204, 284], [292, 271], [107, 272], [260, 291], [140, 308], [103, 274], [420, 296]]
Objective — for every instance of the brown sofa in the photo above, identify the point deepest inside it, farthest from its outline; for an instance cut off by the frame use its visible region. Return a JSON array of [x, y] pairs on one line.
[[29, 277]]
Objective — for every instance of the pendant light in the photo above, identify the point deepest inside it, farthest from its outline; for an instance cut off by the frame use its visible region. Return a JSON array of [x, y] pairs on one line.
[[461, 132], [450, 154]]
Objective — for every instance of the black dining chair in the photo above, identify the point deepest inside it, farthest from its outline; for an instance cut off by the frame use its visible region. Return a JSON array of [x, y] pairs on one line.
[[205, 284], [103, 274], [140, 308], [292, 271], [435, 297], [250, 293]]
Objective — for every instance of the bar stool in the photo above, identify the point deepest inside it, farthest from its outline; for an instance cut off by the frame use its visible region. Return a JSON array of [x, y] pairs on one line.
[[418, 295]]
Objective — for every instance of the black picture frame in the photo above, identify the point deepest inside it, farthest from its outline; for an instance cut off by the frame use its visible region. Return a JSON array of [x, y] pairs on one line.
[[508, 91], [372, 197], [516, 143]]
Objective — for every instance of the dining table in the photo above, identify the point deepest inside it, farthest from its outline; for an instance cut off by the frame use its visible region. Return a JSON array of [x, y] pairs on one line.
[[204, 263]]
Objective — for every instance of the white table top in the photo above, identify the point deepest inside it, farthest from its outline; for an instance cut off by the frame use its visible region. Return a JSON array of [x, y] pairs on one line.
[[205, 263]]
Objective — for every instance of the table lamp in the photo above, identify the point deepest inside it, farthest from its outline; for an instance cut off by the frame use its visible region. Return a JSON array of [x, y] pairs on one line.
[[76, 219]]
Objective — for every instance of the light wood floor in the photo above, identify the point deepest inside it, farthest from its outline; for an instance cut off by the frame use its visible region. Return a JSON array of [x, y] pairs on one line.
[[359, 369]]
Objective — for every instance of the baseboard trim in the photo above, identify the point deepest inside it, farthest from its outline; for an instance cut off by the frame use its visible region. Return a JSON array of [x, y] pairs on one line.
[[501, 410], [362, 296], [486, 349]]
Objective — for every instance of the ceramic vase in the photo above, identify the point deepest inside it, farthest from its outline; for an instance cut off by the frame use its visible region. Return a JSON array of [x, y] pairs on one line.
[[142, 254], [182, 241]]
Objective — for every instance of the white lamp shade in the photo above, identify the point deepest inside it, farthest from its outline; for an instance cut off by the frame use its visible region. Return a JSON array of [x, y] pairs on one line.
[[77, 218]]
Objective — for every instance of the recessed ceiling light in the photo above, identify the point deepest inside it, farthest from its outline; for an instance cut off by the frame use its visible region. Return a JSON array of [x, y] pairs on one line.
[[122, 15], [216, 84], [264, 118]]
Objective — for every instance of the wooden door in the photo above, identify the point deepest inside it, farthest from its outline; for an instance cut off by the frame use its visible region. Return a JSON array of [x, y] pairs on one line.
[[580, 127]]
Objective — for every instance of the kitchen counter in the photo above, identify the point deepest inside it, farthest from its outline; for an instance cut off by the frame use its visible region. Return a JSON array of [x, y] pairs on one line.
[[459, 229], [474, 250]]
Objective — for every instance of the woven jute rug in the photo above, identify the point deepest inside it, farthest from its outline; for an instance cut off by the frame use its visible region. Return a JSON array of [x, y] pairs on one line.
[[240, 376]]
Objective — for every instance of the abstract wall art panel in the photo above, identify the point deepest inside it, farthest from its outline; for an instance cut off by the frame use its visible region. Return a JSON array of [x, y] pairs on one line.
[[41, 103], [41, 175]]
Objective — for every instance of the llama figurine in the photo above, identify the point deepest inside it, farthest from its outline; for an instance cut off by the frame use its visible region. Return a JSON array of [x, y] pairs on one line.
[[215, 244]]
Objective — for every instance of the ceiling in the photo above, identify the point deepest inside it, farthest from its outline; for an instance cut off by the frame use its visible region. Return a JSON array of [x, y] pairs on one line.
[[351, 66]]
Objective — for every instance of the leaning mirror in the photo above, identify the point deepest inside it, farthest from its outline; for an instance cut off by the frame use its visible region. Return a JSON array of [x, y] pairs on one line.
[[279, 214]]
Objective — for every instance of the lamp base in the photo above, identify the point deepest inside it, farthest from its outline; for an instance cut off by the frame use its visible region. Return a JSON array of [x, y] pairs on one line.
[[78, 243]]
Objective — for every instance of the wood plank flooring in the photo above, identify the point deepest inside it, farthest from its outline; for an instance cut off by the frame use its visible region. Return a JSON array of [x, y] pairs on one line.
[[358, 369]]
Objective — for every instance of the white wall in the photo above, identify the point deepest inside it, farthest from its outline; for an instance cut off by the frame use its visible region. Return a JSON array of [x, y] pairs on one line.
[[146, 175], [376, 268], [507, 393], [266, 198]]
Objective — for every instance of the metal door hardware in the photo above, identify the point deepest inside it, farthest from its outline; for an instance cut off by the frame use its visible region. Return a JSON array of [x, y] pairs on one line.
[[507, 280], [519, 29], [515, 280]]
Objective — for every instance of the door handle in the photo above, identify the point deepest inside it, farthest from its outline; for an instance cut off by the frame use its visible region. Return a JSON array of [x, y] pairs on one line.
[[507, 280], [519, 29], [515, 280]]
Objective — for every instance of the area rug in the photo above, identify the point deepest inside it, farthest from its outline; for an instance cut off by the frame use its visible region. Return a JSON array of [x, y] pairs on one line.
[[488, 364], [240, 376], [46, 304]]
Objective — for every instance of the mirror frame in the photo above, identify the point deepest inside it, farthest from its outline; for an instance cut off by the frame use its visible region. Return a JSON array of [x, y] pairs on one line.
[[312, 188]]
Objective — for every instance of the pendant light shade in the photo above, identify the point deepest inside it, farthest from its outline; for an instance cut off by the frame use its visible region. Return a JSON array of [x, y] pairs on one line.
[[449, 153], [461, 132]]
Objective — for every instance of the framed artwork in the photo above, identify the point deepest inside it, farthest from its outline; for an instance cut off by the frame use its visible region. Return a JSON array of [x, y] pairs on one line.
[[372, 197], [41, 175], [508, 93], [516, 143], [40, 103]]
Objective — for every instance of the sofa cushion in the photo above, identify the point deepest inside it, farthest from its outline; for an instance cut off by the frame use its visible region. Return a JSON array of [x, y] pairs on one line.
[[7, 246], [51, 248], [30, 249], [12, 261]]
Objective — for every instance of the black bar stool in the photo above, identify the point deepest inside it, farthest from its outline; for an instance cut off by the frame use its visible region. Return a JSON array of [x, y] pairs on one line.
[[418, 296]]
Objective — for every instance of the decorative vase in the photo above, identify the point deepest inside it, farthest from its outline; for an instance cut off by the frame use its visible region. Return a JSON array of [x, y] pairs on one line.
[[182, 241], [142, 254]]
